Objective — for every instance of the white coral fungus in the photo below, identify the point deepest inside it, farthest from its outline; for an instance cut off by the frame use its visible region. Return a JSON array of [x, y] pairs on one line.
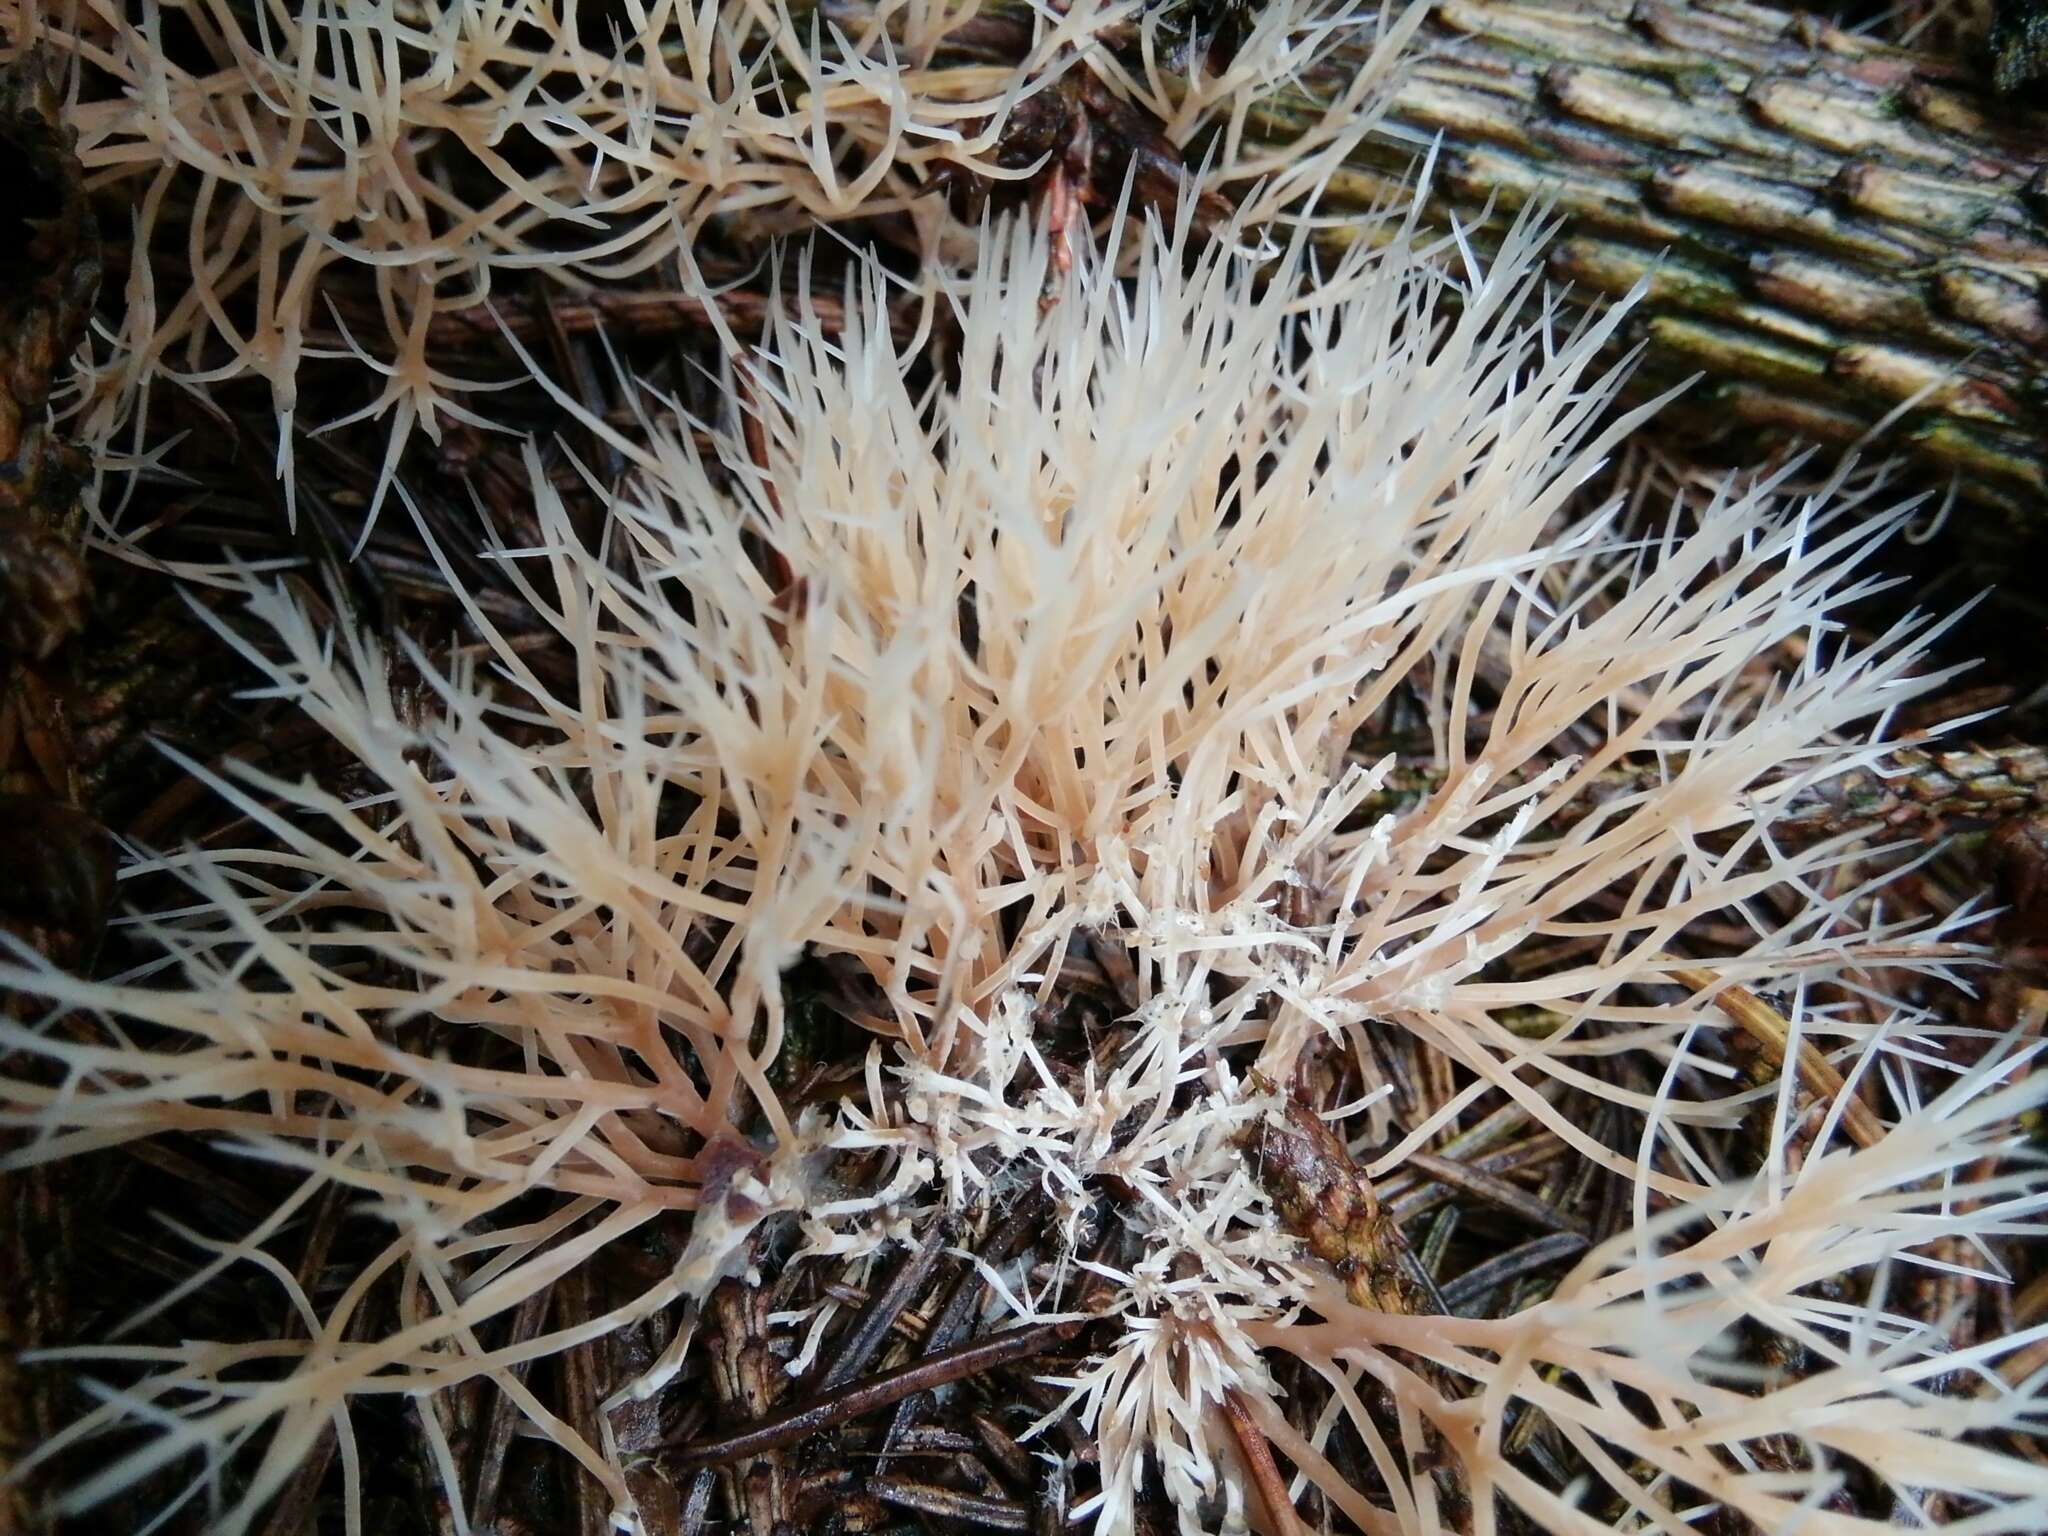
[[1072, 650], [437, 146]]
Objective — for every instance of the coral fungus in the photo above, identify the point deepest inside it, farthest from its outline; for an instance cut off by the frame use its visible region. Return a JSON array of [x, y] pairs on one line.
[[1076, 651], [1096, 637]]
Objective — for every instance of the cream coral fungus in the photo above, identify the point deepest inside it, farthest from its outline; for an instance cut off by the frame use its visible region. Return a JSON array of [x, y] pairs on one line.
[[1063, 657], [445, 145]]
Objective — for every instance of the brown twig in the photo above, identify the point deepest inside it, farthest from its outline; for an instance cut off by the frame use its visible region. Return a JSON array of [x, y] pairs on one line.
[[1773, 1036], [926, 1499], [1008, 1456], [1511, 1198], [957, 1311], [1516, 1262], [933, 1370], [504, 1417], [870, 1328], [1258, 1460]]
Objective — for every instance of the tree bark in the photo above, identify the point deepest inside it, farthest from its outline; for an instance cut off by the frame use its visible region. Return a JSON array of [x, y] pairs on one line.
[[1838, 234], [1916, 792]]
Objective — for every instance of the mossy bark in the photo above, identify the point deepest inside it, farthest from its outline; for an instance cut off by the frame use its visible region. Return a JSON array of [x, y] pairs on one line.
[[1844, 238], [1923, 793]]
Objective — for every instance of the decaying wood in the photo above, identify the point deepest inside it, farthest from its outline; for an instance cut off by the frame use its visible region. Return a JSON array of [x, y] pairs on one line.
[[49, 270]]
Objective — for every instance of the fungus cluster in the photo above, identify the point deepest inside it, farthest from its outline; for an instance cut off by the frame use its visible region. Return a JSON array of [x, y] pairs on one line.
[[944, 680]]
